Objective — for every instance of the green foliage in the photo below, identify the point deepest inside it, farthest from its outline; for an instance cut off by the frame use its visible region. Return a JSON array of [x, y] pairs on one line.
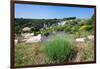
[[35, 24], [70, 18], [18, 30], [85, 27], [45, 32], [72, 25], [89, 21], [59, 48], [36, 33]]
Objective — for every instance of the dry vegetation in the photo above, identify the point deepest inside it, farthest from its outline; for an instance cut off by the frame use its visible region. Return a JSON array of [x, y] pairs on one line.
[[58, 51]]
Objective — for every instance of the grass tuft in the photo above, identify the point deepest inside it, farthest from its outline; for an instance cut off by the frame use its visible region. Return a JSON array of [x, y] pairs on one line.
[[59, 48]]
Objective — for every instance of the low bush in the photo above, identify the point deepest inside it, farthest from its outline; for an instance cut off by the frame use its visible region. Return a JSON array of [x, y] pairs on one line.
[[88, 53], [59, 48], [85, 27], [24, 54]]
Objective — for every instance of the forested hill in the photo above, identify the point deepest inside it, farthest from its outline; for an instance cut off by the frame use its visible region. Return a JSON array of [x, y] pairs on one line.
[[37, 23], [70, 25], [31, 22]]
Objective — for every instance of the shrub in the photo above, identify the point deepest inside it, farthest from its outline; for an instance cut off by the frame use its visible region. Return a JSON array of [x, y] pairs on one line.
[[67, 29], [85, 27], [59, 48], [45, 32]]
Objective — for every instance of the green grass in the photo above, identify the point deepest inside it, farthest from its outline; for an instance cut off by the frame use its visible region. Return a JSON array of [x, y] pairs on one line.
[[59, 48]]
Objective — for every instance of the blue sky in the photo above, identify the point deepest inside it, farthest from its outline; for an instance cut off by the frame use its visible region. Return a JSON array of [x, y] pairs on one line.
[[50, 12]]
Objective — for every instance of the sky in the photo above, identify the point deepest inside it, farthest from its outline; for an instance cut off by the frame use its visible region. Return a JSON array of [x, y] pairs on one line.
[[49, 12]]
